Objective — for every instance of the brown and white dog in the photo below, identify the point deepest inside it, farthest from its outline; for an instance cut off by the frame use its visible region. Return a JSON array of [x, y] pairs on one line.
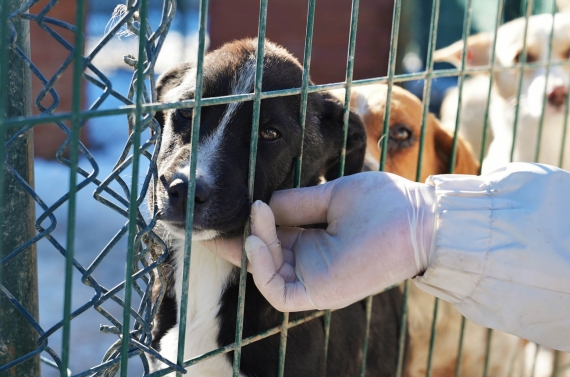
[[402, 158], [542, 88]]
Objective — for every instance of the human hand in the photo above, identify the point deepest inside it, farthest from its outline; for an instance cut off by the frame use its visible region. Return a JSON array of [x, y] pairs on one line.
[[379, 232]]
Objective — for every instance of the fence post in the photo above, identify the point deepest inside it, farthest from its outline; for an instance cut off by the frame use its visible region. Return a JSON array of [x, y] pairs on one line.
[[17, 214]]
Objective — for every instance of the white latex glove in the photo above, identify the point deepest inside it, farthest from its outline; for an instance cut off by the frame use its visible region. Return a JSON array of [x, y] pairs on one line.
[[380, 230]]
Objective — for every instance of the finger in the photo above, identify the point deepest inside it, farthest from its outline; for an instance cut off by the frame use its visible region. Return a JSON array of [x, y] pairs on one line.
[[281, 295], [263, 226], [229, 249], [302, 206]]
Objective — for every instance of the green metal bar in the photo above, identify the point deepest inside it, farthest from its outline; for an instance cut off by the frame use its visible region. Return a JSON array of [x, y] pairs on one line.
[[460, 348], [403, 330], [487, 352], [545, 96], [299, 160], [425, 113], [427, 85], [137, 129], [76, 123], [195, 136], [466, 29], [493, 69], [17, 208], [305, 84], [348, 80], [432, 338], [392, 60], [251, 176], [211, 101], [366, 336], [521, 76]]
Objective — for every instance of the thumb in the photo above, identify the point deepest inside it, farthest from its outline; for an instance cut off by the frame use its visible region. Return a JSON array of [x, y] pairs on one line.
[[265, 273], [263, 227]]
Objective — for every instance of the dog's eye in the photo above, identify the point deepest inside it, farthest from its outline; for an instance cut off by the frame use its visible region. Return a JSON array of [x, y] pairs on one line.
[[400, 137], [184, 113], [401, 134], [269, 134], [530, 58]]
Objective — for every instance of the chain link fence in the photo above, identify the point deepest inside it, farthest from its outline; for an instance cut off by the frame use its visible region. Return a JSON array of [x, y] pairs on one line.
[[23, 341]]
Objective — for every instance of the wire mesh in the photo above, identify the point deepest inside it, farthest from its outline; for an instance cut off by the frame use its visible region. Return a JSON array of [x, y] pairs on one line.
[[146, 251]]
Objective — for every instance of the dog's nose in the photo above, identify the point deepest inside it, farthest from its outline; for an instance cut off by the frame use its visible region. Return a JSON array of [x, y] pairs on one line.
[[202, 192], [557, 96], [178, 192]]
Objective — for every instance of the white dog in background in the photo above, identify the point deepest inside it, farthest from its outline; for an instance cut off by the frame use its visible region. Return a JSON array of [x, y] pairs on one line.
[[538, 84]]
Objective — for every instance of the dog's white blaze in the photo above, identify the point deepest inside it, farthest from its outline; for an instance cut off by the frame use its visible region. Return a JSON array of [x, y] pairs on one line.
[[209, 273], [208, 277], [208, 149]]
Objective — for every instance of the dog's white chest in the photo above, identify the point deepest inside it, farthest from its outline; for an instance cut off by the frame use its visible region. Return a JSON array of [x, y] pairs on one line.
[[208, 276]]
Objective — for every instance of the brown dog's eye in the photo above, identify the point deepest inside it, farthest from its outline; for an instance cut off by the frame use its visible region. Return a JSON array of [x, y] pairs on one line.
[[530, 58], [269, 134], [401, 136], [184, 113]]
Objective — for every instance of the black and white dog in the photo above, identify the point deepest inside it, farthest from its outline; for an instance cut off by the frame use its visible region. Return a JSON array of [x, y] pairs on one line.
[[222, 208]]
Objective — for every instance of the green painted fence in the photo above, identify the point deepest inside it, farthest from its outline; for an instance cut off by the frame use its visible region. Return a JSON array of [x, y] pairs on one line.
[[22, 229]]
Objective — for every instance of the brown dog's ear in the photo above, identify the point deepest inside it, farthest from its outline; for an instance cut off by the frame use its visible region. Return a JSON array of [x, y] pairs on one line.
[[478, 51], [332, 120], [465, 163], [168, 80]]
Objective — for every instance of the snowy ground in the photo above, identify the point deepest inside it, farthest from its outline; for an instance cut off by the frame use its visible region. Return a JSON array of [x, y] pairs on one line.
[[96, 224]]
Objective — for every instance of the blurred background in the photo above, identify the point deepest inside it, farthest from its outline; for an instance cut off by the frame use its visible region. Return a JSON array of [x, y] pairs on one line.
[[228, 20]]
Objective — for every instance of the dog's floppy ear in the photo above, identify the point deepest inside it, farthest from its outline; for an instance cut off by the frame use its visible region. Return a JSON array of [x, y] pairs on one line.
[[465, 163], [168, 80], [478, 51], [332, 123]]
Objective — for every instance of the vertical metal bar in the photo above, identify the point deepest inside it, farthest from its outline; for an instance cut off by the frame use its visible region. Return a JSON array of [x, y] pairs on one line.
[[487, 352], [143, 14], [299, 160], [466, 29], [76, 124], [521, 75], [427, 86], [500, 8], [403, 330], [392, 59], [346, 113], [545, 96], [366, 335], [17, 209], [251, 176], [196, 115], [432, 338], [425, 113], [305, 84], [348, 80], [460, 348]]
